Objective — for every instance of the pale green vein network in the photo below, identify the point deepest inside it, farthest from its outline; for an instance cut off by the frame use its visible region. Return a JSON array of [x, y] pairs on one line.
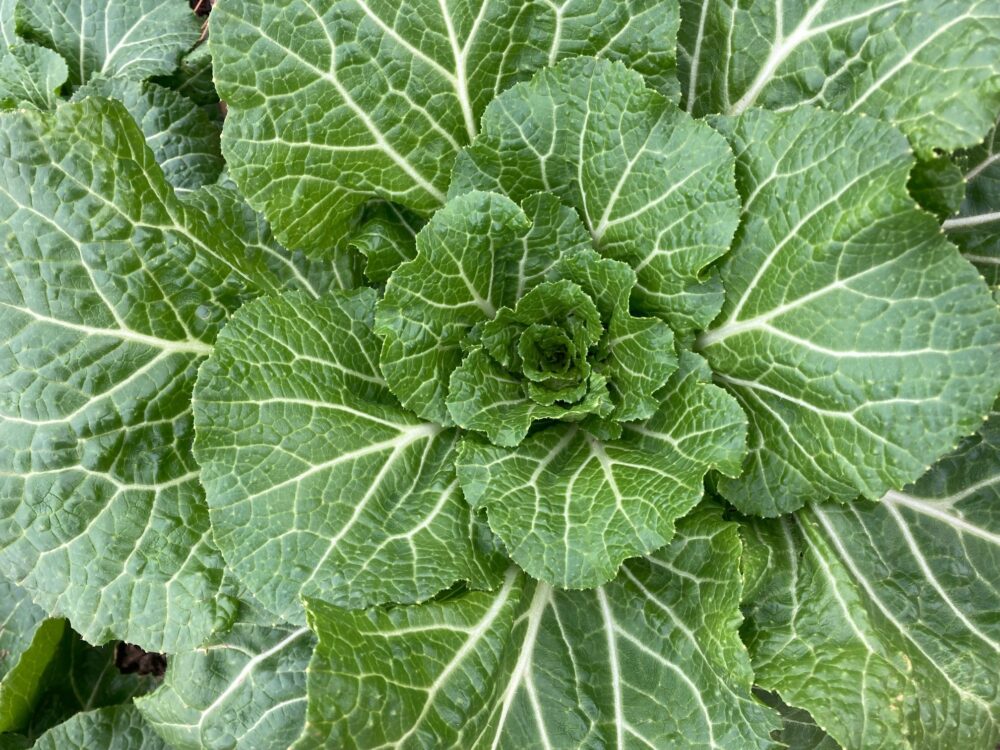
[[402, 84], [650, 660], [318, 482]]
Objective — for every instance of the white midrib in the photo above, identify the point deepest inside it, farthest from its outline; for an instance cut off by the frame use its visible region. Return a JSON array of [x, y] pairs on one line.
[[785, 46], [476, 634], [460, 81], [539, 603], [962, 222], [610, 630], [937, 509]]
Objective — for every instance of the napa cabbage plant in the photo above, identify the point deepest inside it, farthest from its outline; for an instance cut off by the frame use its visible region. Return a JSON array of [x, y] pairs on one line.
[[506, 375]]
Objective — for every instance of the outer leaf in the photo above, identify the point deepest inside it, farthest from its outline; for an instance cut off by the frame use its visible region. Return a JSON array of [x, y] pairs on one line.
[[21, 684], [245, 690], [651, 660], [654, 187], [134, 39], [184, 140], [976, 230], [319, 484], [571, 508], [881, 619], [32, 75], [856, 337], [478, 254], [102, 517], [401, 84], [929, 66], [19, 619], [114, 728], [338, 267]]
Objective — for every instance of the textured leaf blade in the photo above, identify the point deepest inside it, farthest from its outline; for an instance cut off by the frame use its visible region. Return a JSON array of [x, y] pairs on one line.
[[113, 728], [334, 68], [880, 619], [98, 364], [244, 690], [653, 186], [928, 66], [478, 254], [352, 498], [134, 39], [862, 371], [570, 508], [31, 75], [652, 659], [22, 684], [184, 140]]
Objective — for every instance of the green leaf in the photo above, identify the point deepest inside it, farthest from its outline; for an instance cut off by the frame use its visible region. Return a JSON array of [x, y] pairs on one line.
[[480, 253], [19, 619], [798, 730], [134, 39], [938, 185], [31, 75], [244, 690], [21, 685], [82, 677], [111, 291], [857, 339], [880, 619], [929, 66], [484, 397], [184, 140], [651, 660], [338, 267], [387, 237], [401, 84], [113, 728], [318, 483], [637, 354], [193, 79], [654, 187], [975, 229], [570, 508]]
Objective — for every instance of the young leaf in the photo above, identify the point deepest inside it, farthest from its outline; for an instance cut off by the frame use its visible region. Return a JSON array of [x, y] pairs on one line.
[[103, 518], [857, 339], [318, 482], [479, 254], [184, 140], [134, 39], [650, 660], [570, 508], [401, 84], [880, 619], [654, 187], [929, 66], [244, 690]]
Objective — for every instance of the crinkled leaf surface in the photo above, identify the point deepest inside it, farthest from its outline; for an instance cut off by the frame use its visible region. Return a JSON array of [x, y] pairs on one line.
[[396, 87], [243, 690], [650, 660], [976, 230], [112, 728], [932, 67], [31, 75], [319, 483], [134, 39], [856, 337], [184, 140], [480, 253], [880, 619], [338, 267], [938, 185], [111, 291], [570, 508], [387, 237], [654, 187]]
